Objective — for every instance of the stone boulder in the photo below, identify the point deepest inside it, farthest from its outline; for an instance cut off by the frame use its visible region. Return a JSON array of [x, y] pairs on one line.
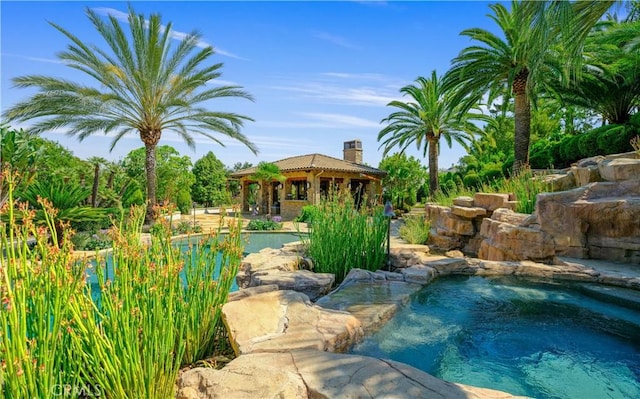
[[267, 259], [585, 175], [490, 201], [559, 181], [597, 221], [463, 201], [280, 321], [313, 285], [280, 267], [504, 239], [619, 169], [407, 255], [313, 374]]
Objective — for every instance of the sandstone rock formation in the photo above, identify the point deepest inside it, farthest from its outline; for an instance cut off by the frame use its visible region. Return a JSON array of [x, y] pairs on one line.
[[279, 321], [313, 374], [280, 267], [600, 220]]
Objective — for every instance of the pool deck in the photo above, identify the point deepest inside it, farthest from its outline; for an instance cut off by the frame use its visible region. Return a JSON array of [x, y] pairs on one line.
[[613, 269]]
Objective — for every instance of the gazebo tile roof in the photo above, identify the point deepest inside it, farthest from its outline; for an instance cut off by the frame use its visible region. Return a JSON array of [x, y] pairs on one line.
[[315, 162]]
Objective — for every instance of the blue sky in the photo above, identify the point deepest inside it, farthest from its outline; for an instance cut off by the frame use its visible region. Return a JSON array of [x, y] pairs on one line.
[[321, 72]]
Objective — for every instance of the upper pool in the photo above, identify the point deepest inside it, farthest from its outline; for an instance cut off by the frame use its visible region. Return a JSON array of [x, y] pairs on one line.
[[527, 338], [254, 242]]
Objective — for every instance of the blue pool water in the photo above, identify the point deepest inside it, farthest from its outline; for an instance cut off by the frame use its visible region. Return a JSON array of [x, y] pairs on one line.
[[254, 242], [533, 339]]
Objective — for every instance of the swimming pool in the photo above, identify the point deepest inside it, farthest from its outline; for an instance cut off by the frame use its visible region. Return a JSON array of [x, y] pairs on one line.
[[254, 242], [527, 338]]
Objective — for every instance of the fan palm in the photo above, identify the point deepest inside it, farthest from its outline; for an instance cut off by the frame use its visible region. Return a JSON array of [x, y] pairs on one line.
[[429, 115], [142, 86]]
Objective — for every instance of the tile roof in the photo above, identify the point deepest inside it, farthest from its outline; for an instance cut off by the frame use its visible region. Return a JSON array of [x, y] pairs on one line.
[[316, 162]]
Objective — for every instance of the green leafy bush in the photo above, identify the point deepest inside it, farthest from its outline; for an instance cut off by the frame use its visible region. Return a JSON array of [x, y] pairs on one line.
[[183, 202], [414, 229], [471, 180], [186, 227], [260, 224], [306, 214], [84, 241]]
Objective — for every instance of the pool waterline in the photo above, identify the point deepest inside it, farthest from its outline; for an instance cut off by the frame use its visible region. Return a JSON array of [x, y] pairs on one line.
[[538, 339]]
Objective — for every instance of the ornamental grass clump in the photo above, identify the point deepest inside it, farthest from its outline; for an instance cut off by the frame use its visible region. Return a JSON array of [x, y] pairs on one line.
[[414, 229], [150, 310], [343, 237]]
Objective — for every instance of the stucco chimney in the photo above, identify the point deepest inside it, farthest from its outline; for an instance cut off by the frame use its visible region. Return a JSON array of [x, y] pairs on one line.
[[353, 151]]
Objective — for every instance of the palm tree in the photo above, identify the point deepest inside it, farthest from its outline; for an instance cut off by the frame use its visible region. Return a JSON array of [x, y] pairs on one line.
[[513, 66], [267, 172], [429, 115], [141, 86], [503, 67]]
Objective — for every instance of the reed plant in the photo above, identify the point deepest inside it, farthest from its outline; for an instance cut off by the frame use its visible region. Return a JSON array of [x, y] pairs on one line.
[[153, 310], [37, 286], [343, 237], [414, 229]]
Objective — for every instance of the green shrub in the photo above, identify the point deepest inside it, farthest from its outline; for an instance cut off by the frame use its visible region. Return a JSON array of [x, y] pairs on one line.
[[306, 214], [491, 172], [588, 145], [150, 320], [569, 151], [186, 227], [132, 196], [606, 136], [414, 229], [343, 237], [471, 180], [183, 202], [541, 158], [85, 241], [260, 224]]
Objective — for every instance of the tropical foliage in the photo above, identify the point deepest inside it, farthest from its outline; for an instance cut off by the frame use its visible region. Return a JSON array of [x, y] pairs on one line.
[[210, 185], [173, 172], [267, 173], [430, 114], [142, 85], [405, 176]]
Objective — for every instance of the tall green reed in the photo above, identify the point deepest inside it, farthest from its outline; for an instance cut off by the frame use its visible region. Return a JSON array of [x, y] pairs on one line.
[[37, 285], [154, 309], [342, 237]]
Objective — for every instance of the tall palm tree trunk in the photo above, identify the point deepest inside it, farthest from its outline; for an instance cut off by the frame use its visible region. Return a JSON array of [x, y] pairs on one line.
[[267, 185], [96, 184], [433, 165], [150, 167], [522, 121], [150, 138]]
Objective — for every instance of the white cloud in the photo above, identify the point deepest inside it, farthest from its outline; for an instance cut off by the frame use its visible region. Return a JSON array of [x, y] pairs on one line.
[[334, 94], [360, 76], [37, 59], [124, 17], [222, 82], [341, 120], [337, 40]]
